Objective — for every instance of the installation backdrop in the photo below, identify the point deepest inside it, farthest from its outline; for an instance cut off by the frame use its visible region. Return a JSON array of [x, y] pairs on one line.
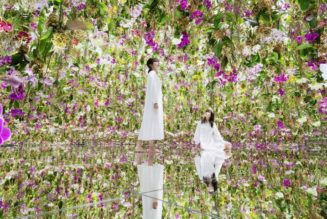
[[76, 68]]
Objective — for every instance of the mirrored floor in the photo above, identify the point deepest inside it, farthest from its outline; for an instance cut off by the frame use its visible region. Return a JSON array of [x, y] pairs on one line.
[[101, 180]]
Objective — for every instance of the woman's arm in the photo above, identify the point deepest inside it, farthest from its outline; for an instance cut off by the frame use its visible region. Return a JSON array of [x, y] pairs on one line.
[[196, 137], [153, 89]]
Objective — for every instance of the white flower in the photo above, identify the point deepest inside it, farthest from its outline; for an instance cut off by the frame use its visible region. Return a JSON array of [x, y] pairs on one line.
[[271, 115], [176, 41], [301, 80], [279, 195], [317, 86], [246, 51], [302, 120], [312, 191], [289, 172], [323, 181], [256, 48]]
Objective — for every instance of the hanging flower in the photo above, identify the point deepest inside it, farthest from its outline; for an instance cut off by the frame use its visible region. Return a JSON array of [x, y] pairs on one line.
[[286, 183], [311, 37], [207, 3], [183, 4], [17, 94], [15, 112], [198, 16], [280, 124], [323, 106], [149, 39], [5, 132], [24, 36], [281, 78], [184, 41], [5, 26], [299, 39], [5, 60]]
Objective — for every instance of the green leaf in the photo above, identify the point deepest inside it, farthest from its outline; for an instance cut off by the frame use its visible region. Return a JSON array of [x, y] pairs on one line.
[[47, 34], [217, 20], [304, 4], [41, 23], [304, 46], [218, 48]]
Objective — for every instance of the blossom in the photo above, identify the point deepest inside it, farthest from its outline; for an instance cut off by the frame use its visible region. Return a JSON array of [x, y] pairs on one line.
[[207, 3], [280, 124], [17, 94], [197, 15], [5, 26], [299, 39], [24, 36], [286, 183], [149, 39], [281, 92], [81, 6], [137, 10], [281, 78], [5, 132], [213, 61], [183, 4], [247, 13], [15, 112], [184, 41], [5, 60], [261, 178], [323, 106], [310, 37]]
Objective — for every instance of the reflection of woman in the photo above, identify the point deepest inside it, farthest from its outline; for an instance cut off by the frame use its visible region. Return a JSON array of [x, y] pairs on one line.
[[152, 123], [214, 150], [151, 184]]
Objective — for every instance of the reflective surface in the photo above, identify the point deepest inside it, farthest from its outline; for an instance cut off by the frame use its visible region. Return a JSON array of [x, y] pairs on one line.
[[100, 180]]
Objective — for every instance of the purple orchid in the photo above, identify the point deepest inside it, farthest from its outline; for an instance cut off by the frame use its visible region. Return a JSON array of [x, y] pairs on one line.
[[286, 183], [185, 40], [311, 37], [281, 78], [207, 3], [198, 16], [323, 106]]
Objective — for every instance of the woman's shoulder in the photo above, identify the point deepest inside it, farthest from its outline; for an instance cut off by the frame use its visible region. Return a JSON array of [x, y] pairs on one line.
[[152, 73]]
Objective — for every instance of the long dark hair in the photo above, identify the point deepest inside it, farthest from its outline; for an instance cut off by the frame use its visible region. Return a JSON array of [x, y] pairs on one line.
[[211, 119], [150, 62]]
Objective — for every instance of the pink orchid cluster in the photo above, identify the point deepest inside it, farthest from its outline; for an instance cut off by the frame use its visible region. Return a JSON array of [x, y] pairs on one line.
[[5, 133]]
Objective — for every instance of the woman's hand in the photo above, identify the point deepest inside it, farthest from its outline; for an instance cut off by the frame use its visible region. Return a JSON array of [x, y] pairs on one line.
[[156, 106], [228, 149]]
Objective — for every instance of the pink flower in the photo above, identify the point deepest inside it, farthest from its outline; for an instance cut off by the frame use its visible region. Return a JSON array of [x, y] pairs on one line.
[[5, 26], [280, 124], [299, 39], [5, 132]]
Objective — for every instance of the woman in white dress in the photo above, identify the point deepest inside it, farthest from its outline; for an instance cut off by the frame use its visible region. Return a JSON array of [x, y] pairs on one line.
[[214, 150], [151, 185], [152, 127]]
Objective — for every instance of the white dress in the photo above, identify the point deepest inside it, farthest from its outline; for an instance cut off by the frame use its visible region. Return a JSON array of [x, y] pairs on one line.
[[151, 183], [152, 127], [212, 155]]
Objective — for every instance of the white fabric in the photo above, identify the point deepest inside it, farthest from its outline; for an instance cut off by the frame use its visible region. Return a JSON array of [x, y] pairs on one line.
[[212, 155], [151, 178], [323, 69], [152, 127]]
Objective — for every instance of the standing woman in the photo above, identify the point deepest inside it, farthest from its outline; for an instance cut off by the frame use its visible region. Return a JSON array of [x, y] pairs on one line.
[[152, 127]]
